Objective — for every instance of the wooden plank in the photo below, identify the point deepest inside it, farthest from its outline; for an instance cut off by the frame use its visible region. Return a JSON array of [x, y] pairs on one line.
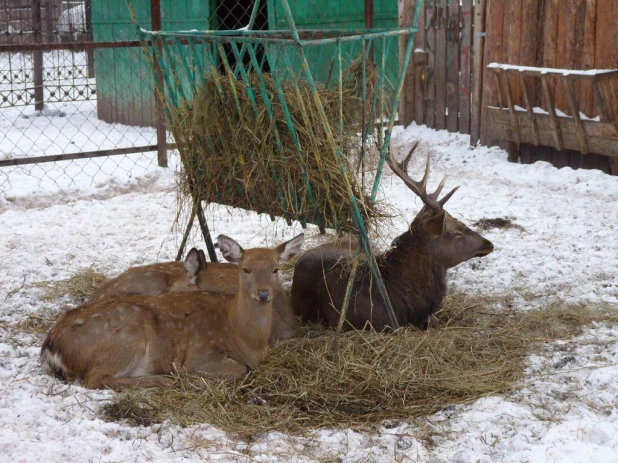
[[430, 87], [440, 64], [478, 71], [590, 22], [508, 99], [452, 71], [601, 136], [408, 100], [605, 33], [419, 72], [550, 41], [530, 109], [581, 135], [512, 34], [529, 45], [493, 53], [565, 26], [465, 48], [552, 112]]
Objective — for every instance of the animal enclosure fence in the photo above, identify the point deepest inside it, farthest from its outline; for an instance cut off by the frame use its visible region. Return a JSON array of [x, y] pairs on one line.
[[449, 86]]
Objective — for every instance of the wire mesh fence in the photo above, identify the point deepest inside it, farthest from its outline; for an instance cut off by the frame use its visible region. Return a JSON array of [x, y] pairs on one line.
[[75, 85]]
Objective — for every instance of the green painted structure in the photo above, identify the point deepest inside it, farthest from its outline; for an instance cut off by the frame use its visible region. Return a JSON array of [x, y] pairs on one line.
[[124, 83]]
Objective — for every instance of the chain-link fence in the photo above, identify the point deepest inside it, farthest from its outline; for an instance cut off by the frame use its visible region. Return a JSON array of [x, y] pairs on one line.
[[77, 102]]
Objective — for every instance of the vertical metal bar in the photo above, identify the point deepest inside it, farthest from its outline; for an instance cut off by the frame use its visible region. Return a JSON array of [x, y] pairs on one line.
[[206, 233], [155, 14], [185, 237], [368, 14], [37, 57], [90, 37]]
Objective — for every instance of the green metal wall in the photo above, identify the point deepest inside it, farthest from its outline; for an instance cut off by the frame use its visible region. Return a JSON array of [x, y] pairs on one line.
[[124, 83]]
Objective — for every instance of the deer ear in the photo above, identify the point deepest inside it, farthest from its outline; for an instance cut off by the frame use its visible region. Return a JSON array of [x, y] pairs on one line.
[[193, 265], [290, 248], [231, 250], [203, 262], [435, 224]]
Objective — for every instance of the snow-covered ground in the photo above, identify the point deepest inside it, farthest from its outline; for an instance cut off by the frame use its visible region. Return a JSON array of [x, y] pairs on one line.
[[566, 247]]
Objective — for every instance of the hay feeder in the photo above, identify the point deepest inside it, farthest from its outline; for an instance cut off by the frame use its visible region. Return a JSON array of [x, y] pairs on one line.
[[278, 121]]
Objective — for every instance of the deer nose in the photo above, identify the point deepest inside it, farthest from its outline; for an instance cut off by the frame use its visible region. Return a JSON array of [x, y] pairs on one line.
[[486, 249], [263, 295]]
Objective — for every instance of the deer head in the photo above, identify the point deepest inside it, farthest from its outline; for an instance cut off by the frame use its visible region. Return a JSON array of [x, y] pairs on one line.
[[449, 240]]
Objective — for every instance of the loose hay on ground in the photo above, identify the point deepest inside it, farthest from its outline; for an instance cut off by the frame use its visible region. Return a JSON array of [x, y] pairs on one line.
[[78, 287], [303, 384]]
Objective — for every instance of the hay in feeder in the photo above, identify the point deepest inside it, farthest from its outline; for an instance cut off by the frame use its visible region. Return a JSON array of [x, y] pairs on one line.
[[303, 384], [240, 151]]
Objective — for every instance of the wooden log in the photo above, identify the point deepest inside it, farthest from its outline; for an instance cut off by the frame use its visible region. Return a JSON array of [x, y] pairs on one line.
[[478, 51], [452, 71], [440, 64], [419, 71]]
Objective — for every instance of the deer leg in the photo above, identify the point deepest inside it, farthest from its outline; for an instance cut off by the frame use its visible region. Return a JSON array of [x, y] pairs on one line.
[[109, 382]]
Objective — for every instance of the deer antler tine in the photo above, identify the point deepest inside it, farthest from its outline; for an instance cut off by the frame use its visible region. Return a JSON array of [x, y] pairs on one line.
[[448, 196], [436, 193], [426, 175], [406, 161]]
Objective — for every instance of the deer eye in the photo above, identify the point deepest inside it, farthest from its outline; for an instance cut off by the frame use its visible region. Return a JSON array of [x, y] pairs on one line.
[[246, 270], [458, 234], [276, 270]]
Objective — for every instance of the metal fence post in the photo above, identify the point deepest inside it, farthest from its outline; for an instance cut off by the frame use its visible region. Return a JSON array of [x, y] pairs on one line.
[[37, 57], [155, 14]]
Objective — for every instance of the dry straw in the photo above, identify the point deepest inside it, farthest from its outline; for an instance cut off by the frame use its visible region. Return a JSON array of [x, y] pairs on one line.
[[304, 384], [238, 151]]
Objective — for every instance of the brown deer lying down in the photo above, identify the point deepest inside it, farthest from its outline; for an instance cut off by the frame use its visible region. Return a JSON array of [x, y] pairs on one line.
[[413, 269], [133, 341], [194, 275]]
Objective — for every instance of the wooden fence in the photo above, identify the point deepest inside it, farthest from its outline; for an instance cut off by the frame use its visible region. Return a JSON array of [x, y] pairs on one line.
[[448, 85]]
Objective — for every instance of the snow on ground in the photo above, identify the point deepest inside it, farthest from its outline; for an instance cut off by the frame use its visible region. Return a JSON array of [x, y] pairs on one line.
[[565, 247]]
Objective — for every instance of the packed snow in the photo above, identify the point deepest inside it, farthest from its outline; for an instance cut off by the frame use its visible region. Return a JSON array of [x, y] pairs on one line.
[[564, 247]]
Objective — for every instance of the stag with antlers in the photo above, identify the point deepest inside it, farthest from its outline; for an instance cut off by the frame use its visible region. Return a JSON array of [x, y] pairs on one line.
[[414, 268]]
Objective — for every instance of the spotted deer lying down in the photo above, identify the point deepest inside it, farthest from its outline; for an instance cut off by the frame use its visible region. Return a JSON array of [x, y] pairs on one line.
[[195, 274], [137, 340], [414, 268]]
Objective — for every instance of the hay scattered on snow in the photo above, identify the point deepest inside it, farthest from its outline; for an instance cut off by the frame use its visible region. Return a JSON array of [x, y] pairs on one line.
[[81, 285], [303, 384], [235, 154]]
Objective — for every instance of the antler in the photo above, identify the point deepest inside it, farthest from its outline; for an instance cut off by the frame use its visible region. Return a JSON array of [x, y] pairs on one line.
[[419, 188]]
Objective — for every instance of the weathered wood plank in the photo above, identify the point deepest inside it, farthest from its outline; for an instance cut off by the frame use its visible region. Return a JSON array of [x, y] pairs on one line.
[[529, 43], [602, 139], [440, 63], [512, 40], [407, 100], [419, 72], [493, 53], [551, 109], [430, 85], [581, 135], [465, 48], [590, 22], [550, 40], [452, 71], [477, 107]]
